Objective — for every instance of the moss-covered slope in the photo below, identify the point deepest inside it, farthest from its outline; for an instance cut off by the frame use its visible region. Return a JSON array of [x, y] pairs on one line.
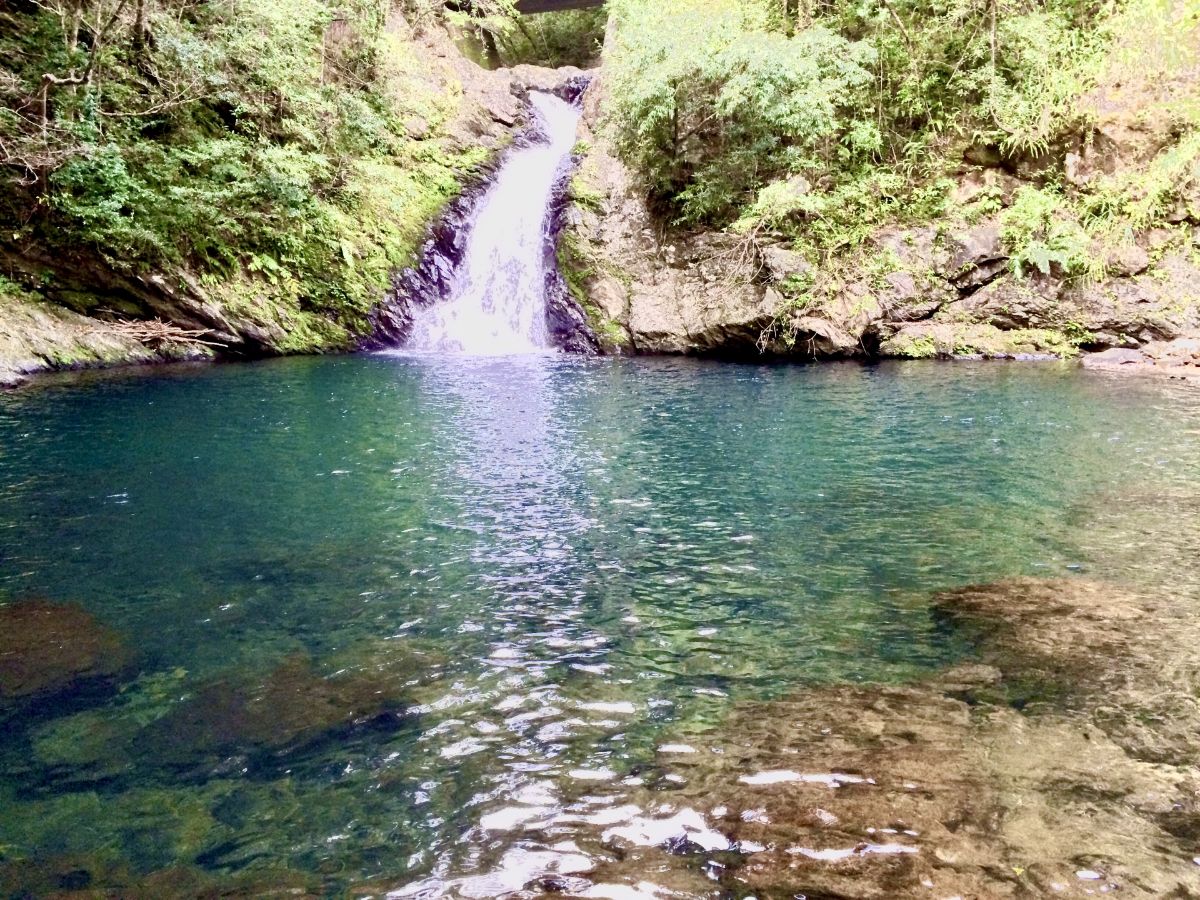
[[254, 172]]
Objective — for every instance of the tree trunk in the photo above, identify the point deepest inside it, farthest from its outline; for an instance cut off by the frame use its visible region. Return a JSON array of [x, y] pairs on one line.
[[141, 29]]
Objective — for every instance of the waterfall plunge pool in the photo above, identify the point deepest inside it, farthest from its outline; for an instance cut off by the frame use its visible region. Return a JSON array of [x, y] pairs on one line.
[[419, 627]]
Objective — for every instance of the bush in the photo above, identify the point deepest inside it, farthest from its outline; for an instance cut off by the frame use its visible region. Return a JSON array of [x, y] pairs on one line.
[[1040, 233], [259, 145], [871, 100], [568, 38], [709, 104]]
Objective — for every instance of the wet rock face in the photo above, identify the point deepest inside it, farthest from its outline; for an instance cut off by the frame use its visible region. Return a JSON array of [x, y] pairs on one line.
[[49, 650], [291, 708], [565, 320], [686, 293], [431, 279]]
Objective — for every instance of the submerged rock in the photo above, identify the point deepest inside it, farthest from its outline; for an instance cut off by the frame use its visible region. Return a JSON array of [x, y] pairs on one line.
[[1050, 632], [294, 706], [869, 791], [70, 876], [48, 650], [936, 789], [1118, 659], [1115, 356]]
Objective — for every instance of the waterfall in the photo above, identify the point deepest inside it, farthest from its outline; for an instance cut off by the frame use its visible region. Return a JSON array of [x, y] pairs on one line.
[[496, 304]]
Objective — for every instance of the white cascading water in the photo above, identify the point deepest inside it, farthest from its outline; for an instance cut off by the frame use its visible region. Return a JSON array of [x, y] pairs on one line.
[[497, 305]]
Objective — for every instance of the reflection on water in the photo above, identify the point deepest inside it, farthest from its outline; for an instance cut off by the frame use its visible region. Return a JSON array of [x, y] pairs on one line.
[[462, 626]]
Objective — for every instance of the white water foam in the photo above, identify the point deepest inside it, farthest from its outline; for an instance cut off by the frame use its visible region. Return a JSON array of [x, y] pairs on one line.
[[497, 306]]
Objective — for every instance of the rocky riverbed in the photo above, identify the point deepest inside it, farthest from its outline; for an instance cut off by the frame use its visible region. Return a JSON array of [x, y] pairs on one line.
[[1061, 762]]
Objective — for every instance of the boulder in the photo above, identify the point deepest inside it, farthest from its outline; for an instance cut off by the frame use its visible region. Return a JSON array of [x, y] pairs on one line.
[[48, 650], [1126, 261], [720, 319], [821, 338], [977, 256], [1162, 303], [780, 263], [1177, 358], [1114, 356], [525, 78], [1013, 302]]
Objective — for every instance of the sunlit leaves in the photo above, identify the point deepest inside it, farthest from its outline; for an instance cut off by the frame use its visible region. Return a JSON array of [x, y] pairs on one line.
[[709, 104]]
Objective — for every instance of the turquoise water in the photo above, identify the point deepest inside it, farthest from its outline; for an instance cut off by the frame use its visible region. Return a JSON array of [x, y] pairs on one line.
[[369, 601]]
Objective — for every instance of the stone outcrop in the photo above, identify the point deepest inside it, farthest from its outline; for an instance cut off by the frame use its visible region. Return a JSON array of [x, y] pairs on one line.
[[655, 294], [947, 289], [35, 336], [1179, 358], [927, 295]]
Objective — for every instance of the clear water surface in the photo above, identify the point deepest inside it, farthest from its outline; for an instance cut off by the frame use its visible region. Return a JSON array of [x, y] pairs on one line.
[[544, 564]]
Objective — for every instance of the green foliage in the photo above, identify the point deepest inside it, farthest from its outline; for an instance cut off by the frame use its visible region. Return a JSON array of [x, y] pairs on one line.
[[266, 147], [720, 104], [568, 38], [989, 202], [1141, 197], [843, 217], [710, 105], [1048, 63], [1039, 233]]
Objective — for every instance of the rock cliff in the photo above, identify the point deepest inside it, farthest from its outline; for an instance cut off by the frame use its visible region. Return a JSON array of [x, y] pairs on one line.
[[953, 287]]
